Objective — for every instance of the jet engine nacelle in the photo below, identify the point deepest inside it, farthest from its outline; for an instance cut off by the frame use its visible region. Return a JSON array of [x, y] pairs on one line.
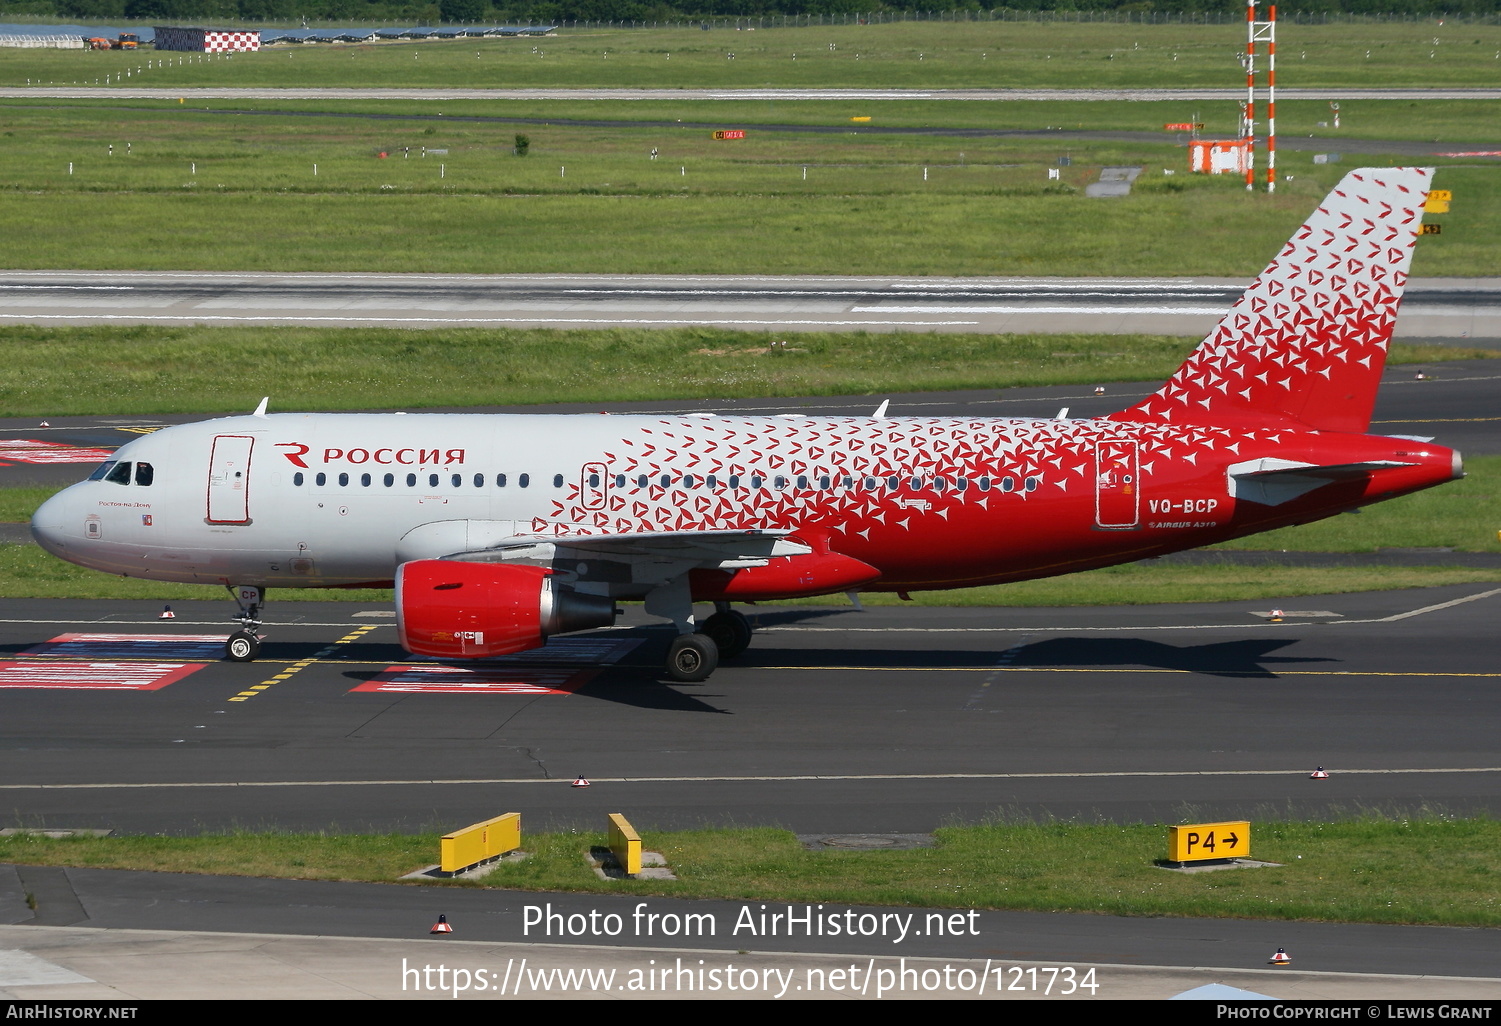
[[459, 610]]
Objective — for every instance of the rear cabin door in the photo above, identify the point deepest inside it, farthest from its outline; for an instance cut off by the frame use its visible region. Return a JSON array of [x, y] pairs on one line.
[[229, 480], [1117, 485], [594, 487]]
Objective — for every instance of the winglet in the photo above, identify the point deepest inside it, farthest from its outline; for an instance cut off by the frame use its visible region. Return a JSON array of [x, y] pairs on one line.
[[881, 410], [1308, 339], [260, 411]]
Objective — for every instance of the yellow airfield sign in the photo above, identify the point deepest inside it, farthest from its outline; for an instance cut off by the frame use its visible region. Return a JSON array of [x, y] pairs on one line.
[[1198, 841]]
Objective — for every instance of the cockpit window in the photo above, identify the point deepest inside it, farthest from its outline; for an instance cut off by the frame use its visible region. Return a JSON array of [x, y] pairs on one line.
[[144, 474], [120, 475], [102, 469]]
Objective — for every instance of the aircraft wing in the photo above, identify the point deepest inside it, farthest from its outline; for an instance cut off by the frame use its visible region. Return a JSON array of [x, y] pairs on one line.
[[1271, 481], [724, 549], [648, 557]]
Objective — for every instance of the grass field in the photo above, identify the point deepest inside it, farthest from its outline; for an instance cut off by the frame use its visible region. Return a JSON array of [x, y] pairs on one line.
[[198, 369], [150, 184], [1426, 869], [925, 55], [591, 200]]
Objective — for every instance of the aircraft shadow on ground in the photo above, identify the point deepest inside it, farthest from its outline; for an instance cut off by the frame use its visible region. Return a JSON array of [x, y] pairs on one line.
[[1249, 658]]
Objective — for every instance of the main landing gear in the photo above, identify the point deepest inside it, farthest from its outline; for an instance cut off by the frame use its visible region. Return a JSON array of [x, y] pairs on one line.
[[693, 657], [245, 644], [729, 630]]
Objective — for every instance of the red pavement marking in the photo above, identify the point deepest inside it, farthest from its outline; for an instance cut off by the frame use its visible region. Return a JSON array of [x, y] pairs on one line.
[[462, 680], [96, 676]]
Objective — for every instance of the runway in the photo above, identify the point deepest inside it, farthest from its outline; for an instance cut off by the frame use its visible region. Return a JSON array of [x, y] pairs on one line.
[[1459, 309], [118, 720]]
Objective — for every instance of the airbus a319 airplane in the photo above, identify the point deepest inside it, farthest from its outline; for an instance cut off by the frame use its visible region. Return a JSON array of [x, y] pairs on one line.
[[500, 531]]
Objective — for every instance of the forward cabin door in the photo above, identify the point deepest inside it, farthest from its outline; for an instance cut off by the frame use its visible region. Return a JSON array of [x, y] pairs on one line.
[[229, 480], [1117, 482]]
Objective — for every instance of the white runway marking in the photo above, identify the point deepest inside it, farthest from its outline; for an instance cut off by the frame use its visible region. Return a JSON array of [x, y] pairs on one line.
[[729, 321], [131, 646], [94, 676], [1302, 771], [1197, 311]]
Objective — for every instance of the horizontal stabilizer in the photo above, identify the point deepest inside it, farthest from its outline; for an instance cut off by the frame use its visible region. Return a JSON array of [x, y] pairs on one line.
[[1271, 481]]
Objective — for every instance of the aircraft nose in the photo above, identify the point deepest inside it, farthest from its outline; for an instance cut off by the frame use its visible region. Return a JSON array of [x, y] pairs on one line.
[[47, 523]]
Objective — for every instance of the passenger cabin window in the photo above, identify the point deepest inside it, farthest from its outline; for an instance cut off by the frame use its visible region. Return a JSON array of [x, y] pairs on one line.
[[144, 474], [120, 475]]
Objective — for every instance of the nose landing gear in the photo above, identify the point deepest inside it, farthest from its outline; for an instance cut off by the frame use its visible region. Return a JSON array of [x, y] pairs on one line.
[[245, 644]]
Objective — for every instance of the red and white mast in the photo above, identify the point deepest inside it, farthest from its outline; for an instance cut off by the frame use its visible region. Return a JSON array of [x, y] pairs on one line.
[[1261, 32]]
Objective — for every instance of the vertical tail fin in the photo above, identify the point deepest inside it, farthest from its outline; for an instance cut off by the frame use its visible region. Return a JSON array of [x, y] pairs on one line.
[[1308, 339]]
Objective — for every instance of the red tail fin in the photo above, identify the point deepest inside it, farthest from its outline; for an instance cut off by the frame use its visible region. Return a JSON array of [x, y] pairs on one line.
[[1308, 339]]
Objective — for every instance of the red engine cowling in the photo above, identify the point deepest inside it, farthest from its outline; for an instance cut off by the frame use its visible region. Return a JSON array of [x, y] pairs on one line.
[[459, 610]]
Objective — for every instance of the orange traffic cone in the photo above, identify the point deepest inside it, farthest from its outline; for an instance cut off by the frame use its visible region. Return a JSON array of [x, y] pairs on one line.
[[1318, 774], [44, 424], [167, 614], [441, 926], [581, 782], [1281, 958]]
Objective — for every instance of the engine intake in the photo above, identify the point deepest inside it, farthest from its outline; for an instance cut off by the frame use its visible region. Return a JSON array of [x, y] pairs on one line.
[[458, 610]]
